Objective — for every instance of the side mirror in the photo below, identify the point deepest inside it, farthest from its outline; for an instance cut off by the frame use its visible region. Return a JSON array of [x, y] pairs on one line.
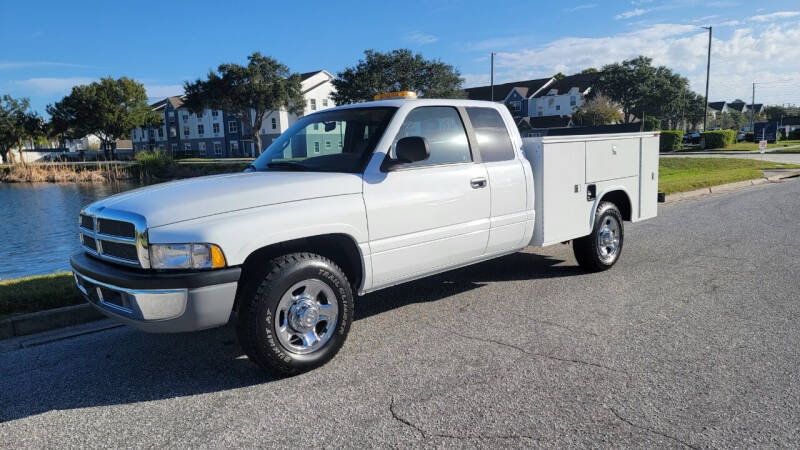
[[409, 150]]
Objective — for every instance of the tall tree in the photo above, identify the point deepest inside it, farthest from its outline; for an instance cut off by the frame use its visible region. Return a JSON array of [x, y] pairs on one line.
[[598, 110], [108, 108], [642, 89], [17, 124], [398, 70], [250, 93]]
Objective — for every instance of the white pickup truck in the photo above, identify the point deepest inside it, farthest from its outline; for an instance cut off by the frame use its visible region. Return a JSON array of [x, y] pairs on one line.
[[350, 200]]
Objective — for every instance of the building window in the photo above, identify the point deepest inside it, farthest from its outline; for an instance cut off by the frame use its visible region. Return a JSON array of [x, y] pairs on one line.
[[325, 102], [515, 106], [202, 147], [217, 149], [185, 130], [313, 104], [187, 146], [233, 127], [214, 113], [340, 144], [173, 147], [550, 101], [172, 115], [327, 145], [215, 128], [185, 117], [173, 132], [274, 123], [572, 100], [161, 132], [235, 148], [200, 115], [201, 129], [558, 107], [316, 126], [316, 147]]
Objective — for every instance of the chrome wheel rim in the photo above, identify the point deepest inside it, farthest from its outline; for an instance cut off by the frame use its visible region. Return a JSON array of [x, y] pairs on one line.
[[306, 317], [608, 239]]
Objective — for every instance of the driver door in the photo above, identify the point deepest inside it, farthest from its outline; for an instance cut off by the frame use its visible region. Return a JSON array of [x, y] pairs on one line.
[[430, 215]]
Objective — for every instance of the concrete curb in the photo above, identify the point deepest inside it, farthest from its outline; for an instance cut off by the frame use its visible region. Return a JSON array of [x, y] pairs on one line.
[[51, 319], [726, 187]]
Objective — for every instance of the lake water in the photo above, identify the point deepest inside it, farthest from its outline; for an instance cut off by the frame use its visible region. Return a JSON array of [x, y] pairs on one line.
[[39, 224]]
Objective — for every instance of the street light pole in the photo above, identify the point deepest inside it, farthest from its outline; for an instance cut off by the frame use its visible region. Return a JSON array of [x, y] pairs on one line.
[[708, 73], [492, 76]]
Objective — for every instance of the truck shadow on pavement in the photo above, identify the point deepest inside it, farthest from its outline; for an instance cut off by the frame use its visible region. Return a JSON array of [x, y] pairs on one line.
[[123, 366]]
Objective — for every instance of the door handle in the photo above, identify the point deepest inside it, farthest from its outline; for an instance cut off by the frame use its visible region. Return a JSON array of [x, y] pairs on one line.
[[478, 183]]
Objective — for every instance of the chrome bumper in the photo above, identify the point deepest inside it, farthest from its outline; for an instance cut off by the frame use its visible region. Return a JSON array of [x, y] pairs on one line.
[[161, 310]]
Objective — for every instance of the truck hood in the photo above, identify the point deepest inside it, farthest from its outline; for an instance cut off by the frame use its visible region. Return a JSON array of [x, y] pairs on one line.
[[192, 198]]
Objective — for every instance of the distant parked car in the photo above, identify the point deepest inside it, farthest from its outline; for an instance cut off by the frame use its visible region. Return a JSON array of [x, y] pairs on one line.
[[740, 136], [691, 137]]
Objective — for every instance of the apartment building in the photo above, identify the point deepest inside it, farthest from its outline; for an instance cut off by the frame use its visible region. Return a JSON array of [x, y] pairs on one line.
[[540, 97], [216, 134]]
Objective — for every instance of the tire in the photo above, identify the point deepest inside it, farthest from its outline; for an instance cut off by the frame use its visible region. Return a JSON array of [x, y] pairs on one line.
[[300, 298], [601, 249]]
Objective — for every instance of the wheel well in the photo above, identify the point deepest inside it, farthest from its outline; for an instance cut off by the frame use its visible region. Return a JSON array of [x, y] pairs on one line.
[[621, 200], [340, 248]]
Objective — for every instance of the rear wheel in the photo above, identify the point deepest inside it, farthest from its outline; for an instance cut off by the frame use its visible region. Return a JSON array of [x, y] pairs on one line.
[[600, 250], [297, 316]]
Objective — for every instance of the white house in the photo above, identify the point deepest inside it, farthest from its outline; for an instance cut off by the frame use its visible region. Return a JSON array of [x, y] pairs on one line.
[[562, 97]]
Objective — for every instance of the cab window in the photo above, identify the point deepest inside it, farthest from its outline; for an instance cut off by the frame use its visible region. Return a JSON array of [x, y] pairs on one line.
[[442, 128], [491, 133]]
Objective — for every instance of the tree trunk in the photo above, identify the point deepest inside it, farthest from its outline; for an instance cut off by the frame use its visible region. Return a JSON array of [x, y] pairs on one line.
[[257, 140]]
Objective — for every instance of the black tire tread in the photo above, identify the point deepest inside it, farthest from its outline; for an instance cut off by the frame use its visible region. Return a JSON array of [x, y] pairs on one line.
[[585, 248], [248, 317]]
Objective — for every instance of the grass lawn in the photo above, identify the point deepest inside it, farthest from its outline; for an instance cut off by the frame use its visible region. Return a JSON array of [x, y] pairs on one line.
[[37, 293], [753, 146], [686, 174]]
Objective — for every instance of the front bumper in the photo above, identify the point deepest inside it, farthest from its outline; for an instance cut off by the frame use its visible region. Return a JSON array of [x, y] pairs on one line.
[[157, 302]]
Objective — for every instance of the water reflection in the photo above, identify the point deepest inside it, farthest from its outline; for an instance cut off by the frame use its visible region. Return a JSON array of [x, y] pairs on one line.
[[39, 225]]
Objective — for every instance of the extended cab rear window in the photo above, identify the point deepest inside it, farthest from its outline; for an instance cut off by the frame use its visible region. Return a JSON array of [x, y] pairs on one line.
[[494, 143]]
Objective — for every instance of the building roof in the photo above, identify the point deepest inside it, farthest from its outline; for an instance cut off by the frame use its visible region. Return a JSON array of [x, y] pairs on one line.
[[548, 121], [717, 106], [176, 102], [756, 106], [738, 106], [307, 75], [501, 91], [582, 81]]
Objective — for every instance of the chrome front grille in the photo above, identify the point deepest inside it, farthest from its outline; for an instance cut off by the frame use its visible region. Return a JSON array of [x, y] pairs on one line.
[[115, 236]]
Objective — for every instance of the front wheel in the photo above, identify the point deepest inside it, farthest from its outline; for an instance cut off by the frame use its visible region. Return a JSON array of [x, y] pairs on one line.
[[600, 250], [297, 316]]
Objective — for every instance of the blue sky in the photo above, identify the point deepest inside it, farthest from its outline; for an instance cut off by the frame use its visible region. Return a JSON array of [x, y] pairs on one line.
[[49, 46]]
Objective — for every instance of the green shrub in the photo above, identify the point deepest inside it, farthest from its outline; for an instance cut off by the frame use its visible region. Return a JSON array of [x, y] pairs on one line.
[[718, 138], [794, 134], [749, 136], [651, 124], [153, 163], [670, 140]]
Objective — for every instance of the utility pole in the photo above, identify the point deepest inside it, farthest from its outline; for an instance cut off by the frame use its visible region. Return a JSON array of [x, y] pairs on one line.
[[752, 108], [708, 73], [492, 76]]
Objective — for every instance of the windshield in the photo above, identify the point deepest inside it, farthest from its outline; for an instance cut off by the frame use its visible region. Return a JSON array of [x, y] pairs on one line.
[[335, 141]]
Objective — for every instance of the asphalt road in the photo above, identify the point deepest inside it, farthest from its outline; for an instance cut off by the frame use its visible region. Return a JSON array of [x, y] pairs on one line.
[[691, 340]]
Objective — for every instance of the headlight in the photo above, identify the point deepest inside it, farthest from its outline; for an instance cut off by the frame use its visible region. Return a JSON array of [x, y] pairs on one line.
[[186, 256]]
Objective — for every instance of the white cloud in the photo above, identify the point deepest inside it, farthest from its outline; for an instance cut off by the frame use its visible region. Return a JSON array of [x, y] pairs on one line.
[[161, 91], [47, 86], [769, 54], [418, 37], [629, 14], [775, 16], [580, 7], [728, 23]]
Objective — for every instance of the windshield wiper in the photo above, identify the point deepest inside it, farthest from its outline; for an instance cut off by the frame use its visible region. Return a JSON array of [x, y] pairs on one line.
[[287, 165]]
